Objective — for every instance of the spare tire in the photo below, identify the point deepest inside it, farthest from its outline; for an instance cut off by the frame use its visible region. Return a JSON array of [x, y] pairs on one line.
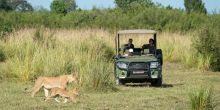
[[159, 55]]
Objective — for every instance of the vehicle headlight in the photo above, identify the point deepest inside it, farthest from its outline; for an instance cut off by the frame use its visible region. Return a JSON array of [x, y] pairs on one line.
[[154, 64], [122, 65]]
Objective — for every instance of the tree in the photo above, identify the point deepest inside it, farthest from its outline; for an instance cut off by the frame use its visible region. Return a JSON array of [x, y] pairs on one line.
[[63, 6], [195, 6], [58, 6], [4, 5], [169, 7], [125, 4], [17, 5], [70, 5], [21, 5]]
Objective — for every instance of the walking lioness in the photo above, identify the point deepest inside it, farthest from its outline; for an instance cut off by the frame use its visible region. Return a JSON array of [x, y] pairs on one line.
[[52, 82], [64, 93]]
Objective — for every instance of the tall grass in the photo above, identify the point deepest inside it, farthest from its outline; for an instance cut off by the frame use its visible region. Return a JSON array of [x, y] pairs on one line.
[[31, 53], [179, 48], [2, 54], [202, 99], [30, 56]]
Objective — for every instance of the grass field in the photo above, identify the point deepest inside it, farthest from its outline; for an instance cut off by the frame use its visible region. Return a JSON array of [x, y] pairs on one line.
[[174, 95], [30, 53]]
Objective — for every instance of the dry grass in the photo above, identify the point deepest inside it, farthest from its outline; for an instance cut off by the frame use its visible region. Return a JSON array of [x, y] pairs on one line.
[[89, 52], [62, 49]]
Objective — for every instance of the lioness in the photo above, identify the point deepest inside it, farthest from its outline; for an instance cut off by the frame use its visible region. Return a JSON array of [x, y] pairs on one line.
[[63, 93], [52, 82]]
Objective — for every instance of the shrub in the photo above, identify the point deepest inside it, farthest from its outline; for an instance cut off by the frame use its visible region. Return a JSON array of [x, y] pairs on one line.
[[5, 29], [207, 46], [142, 17]]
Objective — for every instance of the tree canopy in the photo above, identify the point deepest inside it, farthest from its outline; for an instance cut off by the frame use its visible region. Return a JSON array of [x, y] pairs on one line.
[[195, 6], [125, 4], [16, 5], [63, 6], [4, 5]]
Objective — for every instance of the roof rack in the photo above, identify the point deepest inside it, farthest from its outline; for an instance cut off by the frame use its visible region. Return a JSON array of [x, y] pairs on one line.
[[137, 31]]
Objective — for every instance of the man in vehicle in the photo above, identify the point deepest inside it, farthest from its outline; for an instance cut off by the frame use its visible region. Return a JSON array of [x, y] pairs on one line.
[[150, 46], [129, 45]]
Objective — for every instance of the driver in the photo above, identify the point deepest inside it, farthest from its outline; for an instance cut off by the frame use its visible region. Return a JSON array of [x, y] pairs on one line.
[[129, 45]]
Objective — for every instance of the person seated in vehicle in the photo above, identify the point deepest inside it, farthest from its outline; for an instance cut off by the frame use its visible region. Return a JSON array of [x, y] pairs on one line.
[[150, 46], [129, 45]]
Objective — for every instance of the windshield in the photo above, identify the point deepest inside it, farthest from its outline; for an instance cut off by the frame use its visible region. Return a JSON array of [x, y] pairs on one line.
[[137, 45]]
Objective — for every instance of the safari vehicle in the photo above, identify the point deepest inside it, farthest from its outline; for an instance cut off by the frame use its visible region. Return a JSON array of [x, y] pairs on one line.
[[140, 66]]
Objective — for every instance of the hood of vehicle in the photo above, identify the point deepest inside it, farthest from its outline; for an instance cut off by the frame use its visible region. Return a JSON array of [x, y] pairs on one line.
[[138, 59]]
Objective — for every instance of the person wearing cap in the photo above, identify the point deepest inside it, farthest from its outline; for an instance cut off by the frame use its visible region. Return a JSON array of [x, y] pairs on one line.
[[130, 52]]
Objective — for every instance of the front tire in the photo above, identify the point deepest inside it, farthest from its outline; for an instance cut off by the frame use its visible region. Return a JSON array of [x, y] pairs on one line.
[[119, 82], [159, 54], [157, 82]]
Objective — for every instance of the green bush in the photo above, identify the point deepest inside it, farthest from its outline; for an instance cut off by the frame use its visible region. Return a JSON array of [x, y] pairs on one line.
[[157, 18], [5, 29], [151, 18], [207, 45]]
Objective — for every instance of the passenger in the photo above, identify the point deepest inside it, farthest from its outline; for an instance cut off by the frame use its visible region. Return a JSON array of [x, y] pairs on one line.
[[130, 52], [150, 46]]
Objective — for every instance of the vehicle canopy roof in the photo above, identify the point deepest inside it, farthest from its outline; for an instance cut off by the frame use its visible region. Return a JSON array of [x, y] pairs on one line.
[[137, 31]]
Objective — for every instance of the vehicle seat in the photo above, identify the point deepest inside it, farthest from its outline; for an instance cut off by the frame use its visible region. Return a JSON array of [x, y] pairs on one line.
[[145, 49]]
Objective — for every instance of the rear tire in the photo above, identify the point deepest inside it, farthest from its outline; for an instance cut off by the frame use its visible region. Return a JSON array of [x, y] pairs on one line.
[[157, 82]]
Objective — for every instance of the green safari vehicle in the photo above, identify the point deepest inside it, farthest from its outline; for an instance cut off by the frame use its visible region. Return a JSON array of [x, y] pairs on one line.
[[138, 65]]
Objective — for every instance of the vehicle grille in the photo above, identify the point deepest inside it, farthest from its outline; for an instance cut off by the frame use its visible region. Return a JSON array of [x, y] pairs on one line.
[[138, 66], [138, 70]]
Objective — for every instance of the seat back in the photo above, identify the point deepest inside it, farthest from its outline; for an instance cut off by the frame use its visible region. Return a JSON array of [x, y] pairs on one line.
[[146, 51]]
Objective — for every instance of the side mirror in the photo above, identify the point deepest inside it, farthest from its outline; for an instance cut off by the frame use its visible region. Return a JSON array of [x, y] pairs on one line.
[[119, 49], [116, 57], [113, 56]]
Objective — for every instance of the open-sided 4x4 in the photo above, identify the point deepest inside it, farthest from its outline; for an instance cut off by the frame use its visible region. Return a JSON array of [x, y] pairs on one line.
[[140, 66]]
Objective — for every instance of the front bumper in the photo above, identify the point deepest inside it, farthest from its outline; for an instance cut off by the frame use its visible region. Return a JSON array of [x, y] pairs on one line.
[[152, 73]]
